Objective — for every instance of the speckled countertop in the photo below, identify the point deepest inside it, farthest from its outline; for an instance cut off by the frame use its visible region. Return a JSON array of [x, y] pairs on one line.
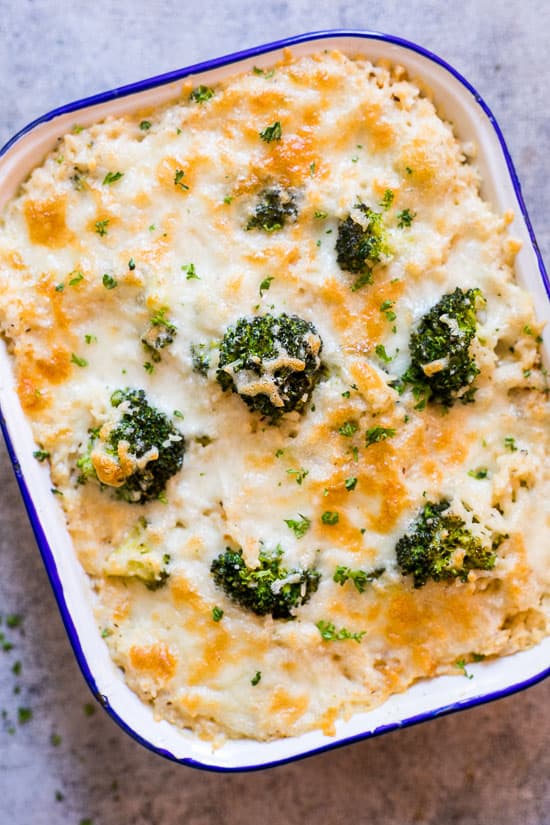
[[70, 764]]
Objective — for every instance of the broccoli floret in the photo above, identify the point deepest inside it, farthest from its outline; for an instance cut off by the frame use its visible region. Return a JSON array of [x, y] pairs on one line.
[[442, 370], [275, 207], [272, 362], [136, 559], [361, 244], [440, 547], [267, 588], [159, 335], [136, 452]]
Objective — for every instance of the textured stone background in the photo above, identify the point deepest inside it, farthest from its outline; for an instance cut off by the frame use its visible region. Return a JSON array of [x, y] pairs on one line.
[[489, 765]]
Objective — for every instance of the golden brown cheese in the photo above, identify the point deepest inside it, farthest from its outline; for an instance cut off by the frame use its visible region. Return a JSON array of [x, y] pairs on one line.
[[145, 216]]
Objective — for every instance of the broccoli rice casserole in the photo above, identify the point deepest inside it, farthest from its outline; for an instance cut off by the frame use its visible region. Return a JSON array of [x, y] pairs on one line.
[[270, 343]]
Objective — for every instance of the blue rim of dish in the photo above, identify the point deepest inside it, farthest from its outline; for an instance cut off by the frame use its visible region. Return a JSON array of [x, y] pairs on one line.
[[43, 545]]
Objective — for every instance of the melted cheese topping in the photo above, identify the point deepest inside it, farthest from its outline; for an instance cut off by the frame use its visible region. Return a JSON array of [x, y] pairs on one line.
[[101, 238]]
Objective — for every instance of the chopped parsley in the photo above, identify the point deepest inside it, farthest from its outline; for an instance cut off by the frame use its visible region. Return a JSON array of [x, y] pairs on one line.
[[380, 350], [191, 274], [387, 199], [60, 287], [263, 72], [148, 367], [217, 614], [405, 218], [348, 428], [299, 528], [273, 132], [80, 362], [461, 664], [265, 284], [320, 215], [41, 455], [55, 740], [256, 678], [101, 227], [350, 483], [131, 264], [481, 472], [159, 319], [77, 277], [510, 443], [145, 125], [360, 578], [90, 339], [376, 434], [201, 94], [529, 331], [330, 634], [112, 177], [299, 475], [386, 308], [178, 180], [109, 282], [330, 517]]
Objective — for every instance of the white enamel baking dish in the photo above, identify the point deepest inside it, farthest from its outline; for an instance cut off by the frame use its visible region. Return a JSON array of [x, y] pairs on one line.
[[456, 101]]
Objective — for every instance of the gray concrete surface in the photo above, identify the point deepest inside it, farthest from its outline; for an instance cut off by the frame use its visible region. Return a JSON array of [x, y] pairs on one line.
[[64, 766]]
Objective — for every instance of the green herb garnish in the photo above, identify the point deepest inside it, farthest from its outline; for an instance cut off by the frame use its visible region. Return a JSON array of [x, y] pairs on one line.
[[109, 282], [201, 94], [178, 180], [273, 132], [101, 227], [265, 284], [360, 578], [80, 362], [299, 528], [330, 634], [348, 428], [405, 218], [376, 434], [112, 177], [299, 475]]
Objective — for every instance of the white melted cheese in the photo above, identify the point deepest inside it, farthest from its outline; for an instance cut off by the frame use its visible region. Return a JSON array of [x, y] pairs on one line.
[[179, 243]]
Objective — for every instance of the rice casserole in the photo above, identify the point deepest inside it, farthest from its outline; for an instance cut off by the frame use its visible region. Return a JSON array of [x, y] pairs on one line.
[[291, 278]]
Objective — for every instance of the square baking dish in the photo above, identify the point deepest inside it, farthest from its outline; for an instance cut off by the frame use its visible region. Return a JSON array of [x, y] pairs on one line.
[[458, 102]]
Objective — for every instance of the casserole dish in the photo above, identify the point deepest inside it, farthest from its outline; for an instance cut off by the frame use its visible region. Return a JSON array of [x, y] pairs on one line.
[[457, 102]]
